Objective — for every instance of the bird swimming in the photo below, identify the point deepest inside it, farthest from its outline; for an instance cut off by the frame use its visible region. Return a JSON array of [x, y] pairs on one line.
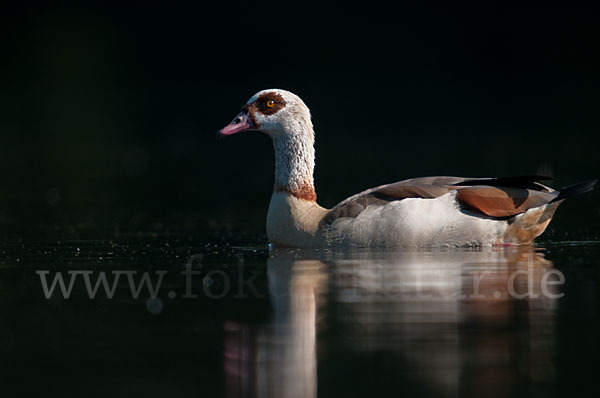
[[420, 212]]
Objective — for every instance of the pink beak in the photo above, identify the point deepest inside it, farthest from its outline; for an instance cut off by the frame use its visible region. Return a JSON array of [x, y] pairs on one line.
[[242, 122]]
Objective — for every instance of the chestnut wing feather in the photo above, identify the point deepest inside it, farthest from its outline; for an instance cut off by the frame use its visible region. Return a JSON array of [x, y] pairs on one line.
[[479, 194], [501, 201]]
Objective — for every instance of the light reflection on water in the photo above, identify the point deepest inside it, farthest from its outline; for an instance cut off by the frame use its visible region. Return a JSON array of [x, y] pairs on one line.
[[310, 323], [447, 318]]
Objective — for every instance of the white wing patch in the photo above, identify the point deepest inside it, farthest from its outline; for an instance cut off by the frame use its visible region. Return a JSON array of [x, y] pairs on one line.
[[417, 222]]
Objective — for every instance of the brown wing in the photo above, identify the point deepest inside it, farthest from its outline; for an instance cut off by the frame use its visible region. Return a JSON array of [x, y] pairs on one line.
[[502, 202], [481, 194]]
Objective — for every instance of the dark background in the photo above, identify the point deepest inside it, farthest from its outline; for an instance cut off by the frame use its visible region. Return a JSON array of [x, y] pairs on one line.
[[108, 113]]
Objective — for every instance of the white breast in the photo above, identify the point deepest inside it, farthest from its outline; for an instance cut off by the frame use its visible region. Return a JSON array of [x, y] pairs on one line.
[[293, 222]]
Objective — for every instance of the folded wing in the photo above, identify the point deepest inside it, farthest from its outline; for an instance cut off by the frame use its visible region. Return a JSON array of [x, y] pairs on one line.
[[492, 197]]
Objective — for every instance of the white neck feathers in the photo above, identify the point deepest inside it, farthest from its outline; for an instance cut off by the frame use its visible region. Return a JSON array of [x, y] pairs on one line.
[[295, 158]]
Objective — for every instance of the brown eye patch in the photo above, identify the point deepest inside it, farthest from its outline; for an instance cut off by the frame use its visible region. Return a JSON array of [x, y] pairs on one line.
[[268, 103]]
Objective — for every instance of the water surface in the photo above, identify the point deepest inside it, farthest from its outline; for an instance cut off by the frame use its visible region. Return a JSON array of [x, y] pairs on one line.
[[296, 323]]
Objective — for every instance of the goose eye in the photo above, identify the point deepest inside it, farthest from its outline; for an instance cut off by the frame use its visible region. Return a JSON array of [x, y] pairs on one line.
[[270, 103]]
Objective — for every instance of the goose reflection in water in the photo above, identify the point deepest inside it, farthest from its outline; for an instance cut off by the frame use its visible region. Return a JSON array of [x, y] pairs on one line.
[[476, 322]]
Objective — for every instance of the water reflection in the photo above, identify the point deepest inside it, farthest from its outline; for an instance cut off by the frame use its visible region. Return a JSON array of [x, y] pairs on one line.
[[476, 322], [282, 361]]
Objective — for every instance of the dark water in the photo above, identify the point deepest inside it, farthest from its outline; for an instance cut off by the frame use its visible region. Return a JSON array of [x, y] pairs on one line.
[[292, 323]]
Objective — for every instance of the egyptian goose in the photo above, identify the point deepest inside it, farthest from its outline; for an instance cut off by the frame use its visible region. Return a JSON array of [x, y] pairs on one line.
[[430, 211]]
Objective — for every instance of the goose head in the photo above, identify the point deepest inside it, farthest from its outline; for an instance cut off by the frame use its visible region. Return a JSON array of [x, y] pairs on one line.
[[286, 119], [277, 113]]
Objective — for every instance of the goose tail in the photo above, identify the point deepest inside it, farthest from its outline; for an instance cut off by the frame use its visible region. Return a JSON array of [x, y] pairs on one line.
[[575, 189]]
